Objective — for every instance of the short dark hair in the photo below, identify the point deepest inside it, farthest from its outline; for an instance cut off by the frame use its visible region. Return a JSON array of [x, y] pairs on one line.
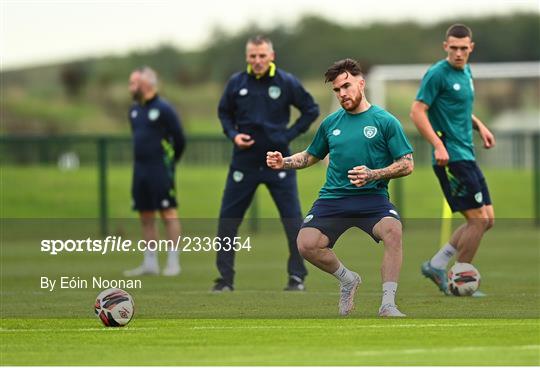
[[342, 66], [259, 40], [458, 31]]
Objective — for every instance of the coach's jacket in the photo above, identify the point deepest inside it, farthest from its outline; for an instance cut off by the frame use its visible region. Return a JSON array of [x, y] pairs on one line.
[[260, 107]]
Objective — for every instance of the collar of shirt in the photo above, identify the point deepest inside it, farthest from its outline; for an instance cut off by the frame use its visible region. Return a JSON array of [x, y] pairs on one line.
[[271, 71]]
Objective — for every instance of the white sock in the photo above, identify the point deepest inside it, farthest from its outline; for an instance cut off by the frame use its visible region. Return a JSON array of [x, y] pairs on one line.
[[150, 259], [443, 256], [173, 258], [344, 275], [389, 289]]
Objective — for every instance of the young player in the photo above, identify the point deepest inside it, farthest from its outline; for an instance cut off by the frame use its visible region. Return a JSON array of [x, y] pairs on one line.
[[443, 114]]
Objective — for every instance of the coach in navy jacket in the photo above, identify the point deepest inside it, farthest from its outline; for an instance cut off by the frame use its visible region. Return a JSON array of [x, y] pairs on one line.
[[255, 112]]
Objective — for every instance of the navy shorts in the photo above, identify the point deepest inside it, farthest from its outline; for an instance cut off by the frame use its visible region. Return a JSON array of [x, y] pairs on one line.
[[153, 188], [463, 185], [335, 216]]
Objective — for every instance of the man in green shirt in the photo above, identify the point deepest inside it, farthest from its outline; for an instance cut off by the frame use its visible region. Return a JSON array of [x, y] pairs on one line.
[[366, 147], [443, 114]]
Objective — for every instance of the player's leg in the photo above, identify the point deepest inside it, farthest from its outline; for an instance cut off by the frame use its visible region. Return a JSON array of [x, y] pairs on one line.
[[466, 191], [442, 262], [439, 262], [237, 197], [480, 219], [163, 192], [451, 179], [469, 239], [389, 230], [489, 211], [284, 191], [150, 264], [144, 204], [315, 241], [173, 228], [491, 216], [313, 246]]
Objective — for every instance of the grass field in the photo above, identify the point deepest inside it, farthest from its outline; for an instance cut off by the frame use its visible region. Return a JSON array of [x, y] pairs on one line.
[[179, 322], [45, 192], [274, 342]]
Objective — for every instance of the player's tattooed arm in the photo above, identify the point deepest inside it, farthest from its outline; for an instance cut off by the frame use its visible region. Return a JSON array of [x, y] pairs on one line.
[[361, 175], [299, 160]]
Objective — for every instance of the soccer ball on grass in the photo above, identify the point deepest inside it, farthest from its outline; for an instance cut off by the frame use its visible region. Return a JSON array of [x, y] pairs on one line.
[[114, 307], [463, 279]]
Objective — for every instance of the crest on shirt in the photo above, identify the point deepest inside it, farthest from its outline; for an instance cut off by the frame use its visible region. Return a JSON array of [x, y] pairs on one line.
[[243, 92], [456, 86], [237, 176], [370, 131], [336, 132], [153, 114], [133, 114], [274, 92]]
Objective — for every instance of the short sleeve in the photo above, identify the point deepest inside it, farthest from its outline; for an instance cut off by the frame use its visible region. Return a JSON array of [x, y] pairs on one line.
[[319, 145], [429, 87], [398, 144]]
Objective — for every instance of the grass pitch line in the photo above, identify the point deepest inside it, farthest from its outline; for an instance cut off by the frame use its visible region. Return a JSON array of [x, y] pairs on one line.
[[408, 325], [444, 350], [129, 329]]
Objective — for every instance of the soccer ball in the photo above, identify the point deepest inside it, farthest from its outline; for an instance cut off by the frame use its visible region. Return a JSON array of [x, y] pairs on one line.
[[463, 279], [114, 307]]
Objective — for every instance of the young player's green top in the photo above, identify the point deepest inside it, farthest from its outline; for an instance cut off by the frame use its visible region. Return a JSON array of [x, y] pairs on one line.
[[449, 93], [373, 138]]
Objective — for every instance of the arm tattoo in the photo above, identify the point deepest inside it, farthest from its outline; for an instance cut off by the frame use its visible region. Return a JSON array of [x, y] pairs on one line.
[[296, 161], [401, 167]]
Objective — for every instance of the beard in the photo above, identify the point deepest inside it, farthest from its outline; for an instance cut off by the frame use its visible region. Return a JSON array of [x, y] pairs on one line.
[[137, 95], [354, 103]]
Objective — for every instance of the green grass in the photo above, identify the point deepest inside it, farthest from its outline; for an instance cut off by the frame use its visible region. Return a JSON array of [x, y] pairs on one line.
[[274, 342], [45, 192], [178, 322]]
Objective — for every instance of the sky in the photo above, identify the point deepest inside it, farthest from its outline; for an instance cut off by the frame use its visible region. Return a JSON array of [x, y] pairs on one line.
[[42, 31]]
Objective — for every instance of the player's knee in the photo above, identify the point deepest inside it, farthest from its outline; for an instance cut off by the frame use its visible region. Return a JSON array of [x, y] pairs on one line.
[[480, 219], [392, 236], [169, 214], [481, 223], [485, 224], [305, 247], [309, 242]]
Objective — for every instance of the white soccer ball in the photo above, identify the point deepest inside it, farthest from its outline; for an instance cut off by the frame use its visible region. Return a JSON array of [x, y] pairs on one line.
[[114, 307], [463, 279]]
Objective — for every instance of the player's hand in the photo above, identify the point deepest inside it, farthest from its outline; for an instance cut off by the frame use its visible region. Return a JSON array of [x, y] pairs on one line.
[[274, 160], [243, 141], [441, 155], [360, 175], [487, 137]]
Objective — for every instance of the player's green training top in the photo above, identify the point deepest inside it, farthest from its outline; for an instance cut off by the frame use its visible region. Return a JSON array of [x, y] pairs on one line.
[[449, 93], [373, 138]]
